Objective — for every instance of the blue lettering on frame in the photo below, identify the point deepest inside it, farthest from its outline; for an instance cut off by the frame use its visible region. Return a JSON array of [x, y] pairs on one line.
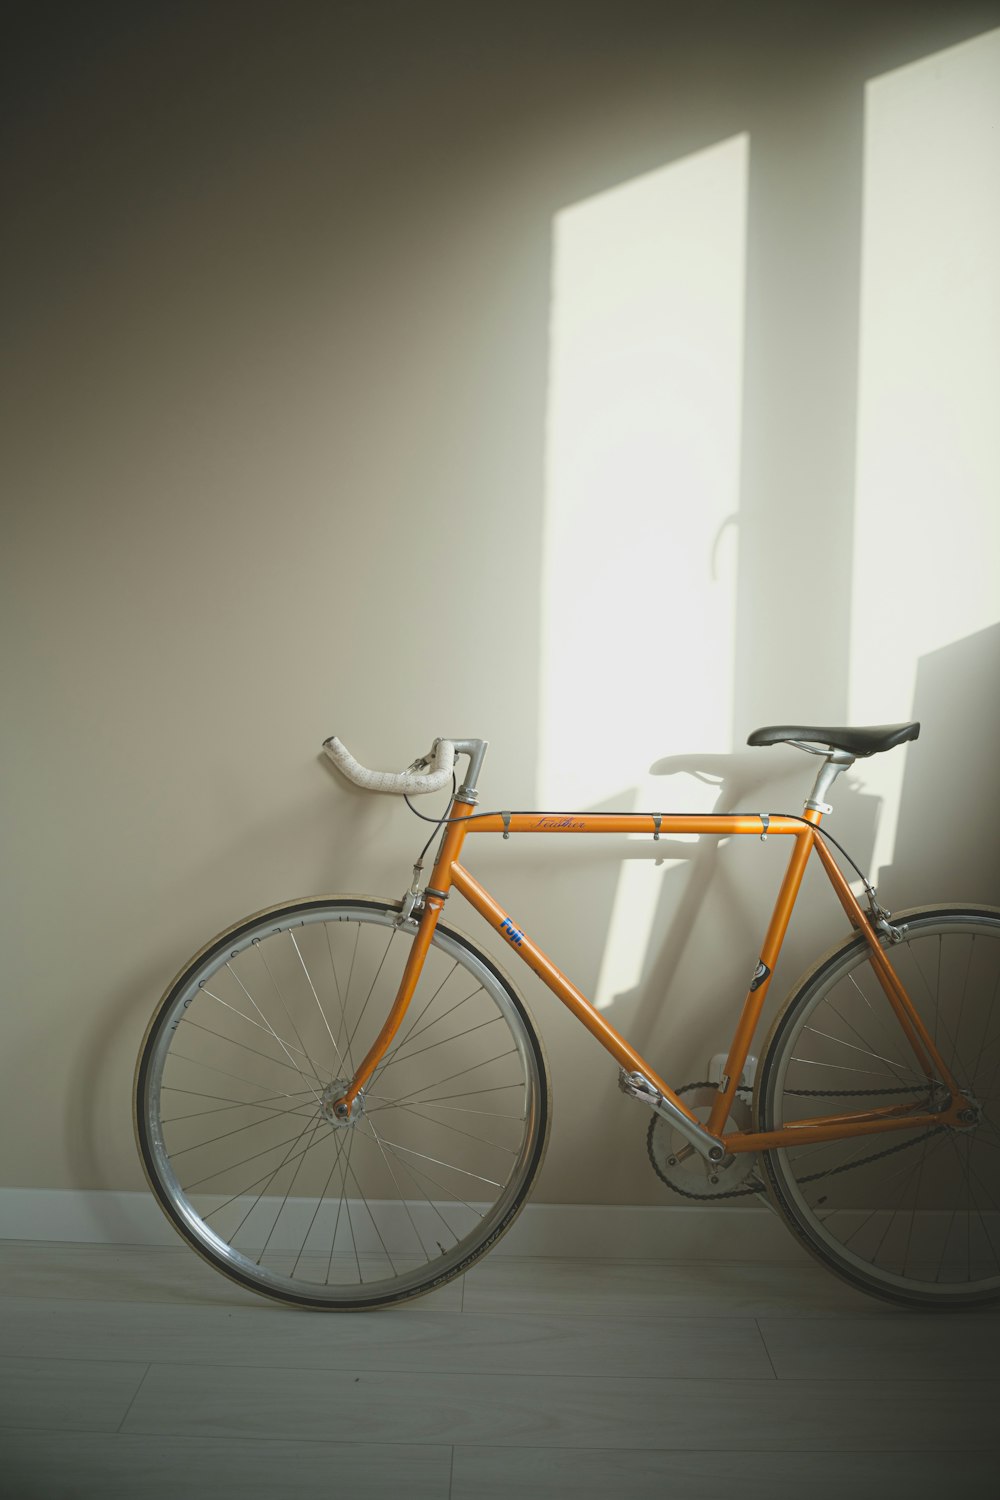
[[511, 933]]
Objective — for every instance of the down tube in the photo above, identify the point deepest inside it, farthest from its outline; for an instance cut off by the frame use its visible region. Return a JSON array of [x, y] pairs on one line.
[[563, 988]]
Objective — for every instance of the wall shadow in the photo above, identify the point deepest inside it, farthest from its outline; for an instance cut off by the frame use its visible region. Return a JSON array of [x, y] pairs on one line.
[[948, 843]]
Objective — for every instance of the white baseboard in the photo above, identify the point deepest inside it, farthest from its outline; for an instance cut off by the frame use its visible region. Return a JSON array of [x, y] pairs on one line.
[[577, 1231]]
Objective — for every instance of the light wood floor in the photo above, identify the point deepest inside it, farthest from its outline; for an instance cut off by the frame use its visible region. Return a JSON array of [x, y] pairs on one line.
[[129, 1372]]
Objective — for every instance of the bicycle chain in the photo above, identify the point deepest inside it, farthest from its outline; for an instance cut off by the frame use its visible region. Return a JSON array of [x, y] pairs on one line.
[[760, 1187]]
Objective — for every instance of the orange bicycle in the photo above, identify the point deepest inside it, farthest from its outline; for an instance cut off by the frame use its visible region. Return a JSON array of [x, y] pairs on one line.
[[342, 1102]]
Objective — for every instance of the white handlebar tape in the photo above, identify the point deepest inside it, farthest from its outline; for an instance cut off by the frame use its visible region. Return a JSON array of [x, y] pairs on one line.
[[412, 783]]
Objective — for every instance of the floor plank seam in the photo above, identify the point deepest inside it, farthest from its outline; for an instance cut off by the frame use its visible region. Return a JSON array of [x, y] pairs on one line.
[[763, 1340], [185, 1434], [32, 1432], [423, 1374], [222, 1440], [715, 1453], [135, 1397], [910, 1384], [548, 1449]]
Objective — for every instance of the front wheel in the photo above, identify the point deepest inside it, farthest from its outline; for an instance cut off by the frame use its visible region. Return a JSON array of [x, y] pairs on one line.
[[913, 1216], [241, 1064]]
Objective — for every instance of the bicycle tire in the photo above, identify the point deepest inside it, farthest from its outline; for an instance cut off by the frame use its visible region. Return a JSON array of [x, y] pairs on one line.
[[262, 1030], [910, 1218]]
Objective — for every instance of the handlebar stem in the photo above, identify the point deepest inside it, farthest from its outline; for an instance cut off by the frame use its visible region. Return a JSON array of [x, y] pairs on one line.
[[476, 751]]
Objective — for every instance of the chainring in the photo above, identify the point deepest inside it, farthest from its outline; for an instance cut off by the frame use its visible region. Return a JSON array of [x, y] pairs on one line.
[[676, 1162]]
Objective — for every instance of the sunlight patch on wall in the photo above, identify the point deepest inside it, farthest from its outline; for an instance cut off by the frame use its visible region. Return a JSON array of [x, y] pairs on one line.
[[927, 521], [642, 470]]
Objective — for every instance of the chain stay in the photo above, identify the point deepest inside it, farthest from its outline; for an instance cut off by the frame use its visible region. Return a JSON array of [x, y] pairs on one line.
[[760, 1187]]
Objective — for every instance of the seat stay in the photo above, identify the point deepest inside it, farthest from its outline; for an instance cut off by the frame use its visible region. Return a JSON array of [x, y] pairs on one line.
[[932, 1064]]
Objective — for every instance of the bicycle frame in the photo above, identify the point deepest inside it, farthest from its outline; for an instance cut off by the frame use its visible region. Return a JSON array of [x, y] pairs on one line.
[[449, 874]]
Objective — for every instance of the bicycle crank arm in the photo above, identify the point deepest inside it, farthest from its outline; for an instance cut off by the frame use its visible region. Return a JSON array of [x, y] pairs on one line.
[[638, 1087]]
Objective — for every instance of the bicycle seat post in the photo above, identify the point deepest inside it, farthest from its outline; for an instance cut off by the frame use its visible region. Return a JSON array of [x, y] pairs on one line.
[[835, 762]]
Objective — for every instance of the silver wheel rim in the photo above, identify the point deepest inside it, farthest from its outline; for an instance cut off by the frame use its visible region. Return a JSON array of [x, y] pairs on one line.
[[935, 1234], [241, 1143]]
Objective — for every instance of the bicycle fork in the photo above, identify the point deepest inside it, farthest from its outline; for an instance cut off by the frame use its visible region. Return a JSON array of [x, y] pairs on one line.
[[434, 897]]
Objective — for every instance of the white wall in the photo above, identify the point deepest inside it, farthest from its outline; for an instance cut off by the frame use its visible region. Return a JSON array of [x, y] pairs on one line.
[[281, 369]]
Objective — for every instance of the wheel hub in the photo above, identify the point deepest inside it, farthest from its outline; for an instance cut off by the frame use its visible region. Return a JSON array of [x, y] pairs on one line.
[[334, 1091], [971, 1116]]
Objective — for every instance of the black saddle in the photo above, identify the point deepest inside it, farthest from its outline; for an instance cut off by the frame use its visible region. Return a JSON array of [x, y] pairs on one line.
[[867, 741]]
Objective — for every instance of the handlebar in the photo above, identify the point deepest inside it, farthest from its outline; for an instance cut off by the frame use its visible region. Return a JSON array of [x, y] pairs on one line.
[[411, 782]]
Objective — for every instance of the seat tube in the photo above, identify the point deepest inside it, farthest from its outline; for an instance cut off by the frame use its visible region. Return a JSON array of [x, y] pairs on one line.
[[757, 993], [812, 815]]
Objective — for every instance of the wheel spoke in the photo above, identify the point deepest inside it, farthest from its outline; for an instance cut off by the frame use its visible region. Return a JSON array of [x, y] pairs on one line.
[[342, 1024], [939, 1023], [419, 1017], [395, 1183], [405, 1167], [429, 1176], [346, 1203], [229, 1104], [371, 987], [374, 1222], [879, 1020], [339, 1148], [197, 1062], [456, 1036], [399, 1055], [462, 1073], [913, 1212], [268, 1027], [866, 1051], [210, 1140], [245, 1160], [435, 1161], [320, 1201], [280, 997], [492, 1114], [288, 1192], [266, 1178], [443, 1125], [275, 1062], [499, 1088], [813, 1062]]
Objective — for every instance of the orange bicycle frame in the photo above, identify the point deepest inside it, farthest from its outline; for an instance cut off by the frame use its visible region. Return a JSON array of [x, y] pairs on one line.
[[449, 874]]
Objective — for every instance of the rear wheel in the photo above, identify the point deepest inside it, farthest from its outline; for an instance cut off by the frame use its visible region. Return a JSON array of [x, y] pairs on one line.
[[913, 1217], [235, 1084]]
